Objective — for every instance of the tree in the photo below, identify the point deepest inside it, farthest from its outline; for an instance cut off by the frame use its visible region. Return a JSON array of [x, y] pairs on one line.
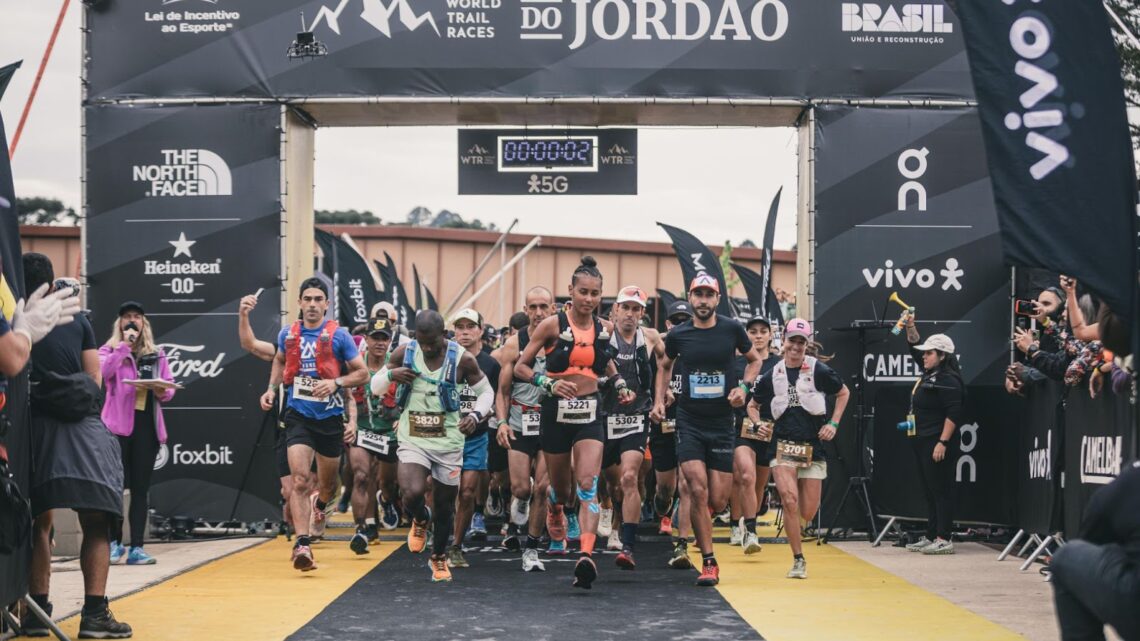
[[423, 217], [748, 243], [345, 217], [1129, 13], [730, 278], [45, 211]]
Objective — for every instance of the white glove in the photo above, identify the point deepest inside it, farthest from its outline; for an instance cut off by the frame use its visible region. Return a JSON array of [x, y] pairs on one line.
[[68, 305], [36, 317]]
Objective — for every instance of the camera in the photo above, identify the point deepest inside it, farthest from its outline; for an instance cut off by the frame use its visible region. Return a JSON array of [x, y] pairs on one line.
[[64, 284]]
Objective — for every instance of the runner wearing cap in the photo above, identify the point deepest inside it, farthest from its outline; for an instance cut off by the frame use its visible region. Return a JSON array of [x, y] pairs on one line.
[[706, 346], [751, 456], [468, 326], [387, 310], [663, 448], [627, 425], [490, 339], [311, 353], [430, 371], [795, 391], [372, 456], [519, 416], [578, 353]]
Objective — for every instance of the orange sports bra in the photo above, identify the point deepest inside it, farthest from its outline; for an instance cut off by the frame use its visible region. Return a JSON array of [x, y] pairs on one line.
[[581, 355]]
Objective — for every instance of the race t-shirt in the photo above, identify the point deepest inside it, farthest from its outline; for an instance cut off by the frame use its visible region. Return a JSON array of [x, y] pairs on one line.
[[344, 349], [795, 424], [467, 396], [708, 358]]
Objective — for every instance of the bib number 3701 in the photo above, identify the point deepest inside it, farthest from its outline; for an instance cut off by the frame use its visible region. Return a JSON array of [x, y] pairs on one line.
[[793, 454]]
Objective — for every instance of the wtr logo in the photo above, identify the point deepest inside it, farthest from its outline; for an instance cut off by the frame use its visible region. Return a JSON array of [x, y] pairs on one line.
[[186, 172], [379, 15]]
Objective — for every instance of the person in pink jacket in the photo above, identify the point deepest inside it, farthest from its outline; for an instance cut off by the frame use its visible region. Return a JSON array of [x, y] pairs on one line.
[[134, 415]]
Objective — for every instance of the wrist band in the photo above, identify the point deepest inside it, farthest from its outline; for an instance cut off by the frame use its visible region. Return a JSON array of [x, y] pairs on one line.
[[833, 424]]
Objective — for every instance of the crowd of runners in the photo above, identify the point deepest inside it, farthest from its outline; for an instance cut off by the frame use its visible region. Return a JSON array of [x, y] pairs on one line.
[[562, 427]]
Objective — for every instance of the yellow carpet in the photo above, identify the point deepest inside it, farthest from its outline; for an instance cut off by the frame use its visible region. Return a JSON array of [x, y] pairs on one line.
[[254, 594], [843, 599]]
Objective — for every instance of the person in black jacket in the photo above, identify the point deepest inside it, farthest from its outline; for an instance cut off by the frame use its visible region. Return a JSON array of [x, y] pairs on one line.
[[937, 409], [1096, 578]]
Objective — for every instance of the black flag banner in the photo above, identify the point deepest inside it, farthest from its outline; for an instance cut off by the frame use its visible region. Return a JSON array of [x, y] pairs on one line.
[[6, 73], [355, 287], [1051, 101], [766, 260], [759, 294], [431, 303], [398, 295], [419, 288], [696, 257], [667, 297]]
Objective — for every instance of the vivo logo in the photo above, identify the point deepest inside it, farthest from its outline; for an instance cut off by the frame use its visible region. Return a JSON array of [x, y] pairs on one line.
[[1031, 39], [1040, 460], [890, 276]]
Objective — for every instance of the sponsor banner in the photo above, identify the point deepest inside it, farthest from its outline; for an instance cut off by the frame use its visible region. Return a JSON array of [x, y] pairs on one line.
[[1053, 113], [903, 205], [355, 288], [1041, 457], [1100, 438], [541, 162], [981, 452], [695, 258], [184, 217], [618, 48]]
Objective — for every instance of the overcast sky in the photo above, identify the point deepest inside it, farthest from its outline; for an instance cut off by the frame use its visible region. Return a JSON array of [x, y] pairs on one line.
[[717, 183]]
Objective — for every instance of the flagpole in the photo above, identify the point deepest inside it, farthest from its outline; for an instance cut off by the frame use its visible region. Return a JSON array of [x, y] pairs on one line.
[[39, 76], [511, 263], [475, 274]]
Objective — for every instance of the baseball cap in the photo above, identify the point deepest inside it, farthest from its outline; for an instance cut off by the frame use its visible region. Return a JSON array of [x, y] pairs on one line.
[[388, 308], [467, 314], [704, 280], [490, 333], [798, 327], [379, 326], [131, 306], [758, 320], [679, 307], [940, 342], [632, 294]]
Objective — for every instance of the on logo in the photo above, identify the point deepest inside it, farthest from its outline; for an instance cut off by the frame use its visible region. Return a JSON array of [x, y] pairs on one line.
[[917, 158]]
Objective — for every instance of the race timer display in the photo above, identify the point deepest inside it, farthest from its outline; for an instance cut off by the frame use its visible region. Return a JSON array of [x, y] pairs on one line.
[[548, 153]]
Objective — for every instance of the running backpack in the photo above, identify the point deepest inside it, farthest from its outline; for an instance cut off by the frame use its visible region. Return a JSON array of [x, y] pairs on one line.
[[448, 384]]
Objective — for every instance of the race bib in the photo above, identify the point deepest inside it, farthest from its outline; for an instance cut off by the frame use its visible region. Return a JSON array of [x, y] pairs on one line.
[[140, 400], [426, 424], [706, 385], [373, 442], [531, 422], [622, 425], [577, 411], [751, 431], [303, 389], [668, 426], [793, 454]]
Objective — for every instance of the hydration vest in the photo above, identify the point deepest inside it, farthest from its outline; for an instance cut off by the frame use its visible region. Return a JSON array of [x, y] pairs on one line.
[[558, 357], [811, 399], [644, 382], [327, 365], [448, 384]]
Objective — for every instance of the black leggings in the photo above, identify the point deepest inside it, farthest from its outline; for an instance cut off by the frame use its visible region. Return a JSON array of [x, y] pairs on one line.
[[138, 451], [937, 482]]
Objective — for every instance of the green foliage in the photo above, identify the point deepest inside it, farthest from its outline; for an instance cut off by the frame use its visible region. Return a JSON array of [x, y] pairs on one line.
[[345, 217], [45, 211], [730, 278], [1129, 13]]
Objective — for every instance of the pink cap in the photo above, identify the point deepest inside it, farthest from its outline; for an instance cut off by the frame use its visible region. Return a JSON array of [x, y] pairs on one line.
[[798, 327], [704, 281]]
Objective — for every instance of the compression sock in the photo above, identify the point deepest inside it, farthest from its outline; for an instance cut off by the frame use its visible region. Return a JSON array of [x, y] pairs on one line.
[[628, 534], [440, 531], [708, 559], [587, 543], [750, 525]]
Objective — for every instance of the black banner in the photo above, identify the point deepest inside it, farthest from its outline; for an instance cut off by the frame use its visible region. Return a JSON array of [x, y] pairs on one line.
[[1056, 133], [1100, 436], [910, 213], [1041, 447], [770, 305], [758, 294], [431, 302], [695, 257], [419, 287], [395, 292], [184, 216], [6, 73], [610, 48], [548, 162], [981, 452], [355, 287]]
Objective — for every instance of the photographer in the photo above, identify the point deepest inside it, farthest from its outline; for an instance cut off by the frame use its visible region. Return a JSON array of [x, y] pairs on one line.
[[134, 414], [936, 410], [75, 460]]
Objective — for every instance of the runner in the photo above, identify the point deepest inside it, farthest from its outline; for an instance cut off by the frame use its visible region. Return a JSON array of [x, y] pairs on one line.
[[429, 371], [663, 448], [311, 353], [499, 488], [750, 459], [796, 390], [519, 415], [372, 457], [627, 426], [468, 325], [706, 346], [577, 354]]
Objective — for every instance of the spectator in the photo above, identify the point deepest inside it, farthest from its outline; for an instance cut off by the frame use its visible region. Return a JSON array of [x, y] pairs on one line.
[[134, 414], [75, 462]]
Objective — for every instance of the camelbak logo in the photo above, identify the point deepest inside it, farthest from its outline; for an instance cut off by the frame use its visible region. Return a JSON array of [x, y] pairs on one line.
[[1031, 39], [186, 172], [1101, 457]]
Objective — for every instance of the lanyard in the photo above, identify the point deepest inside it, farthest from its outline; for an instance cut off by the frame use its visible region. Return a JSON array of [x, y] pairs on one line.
[[912, 393]]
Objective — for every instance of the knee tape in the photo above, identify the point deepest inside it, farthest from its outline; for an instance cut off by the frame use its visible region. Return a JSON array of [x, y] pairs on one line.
[[589, 497]]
